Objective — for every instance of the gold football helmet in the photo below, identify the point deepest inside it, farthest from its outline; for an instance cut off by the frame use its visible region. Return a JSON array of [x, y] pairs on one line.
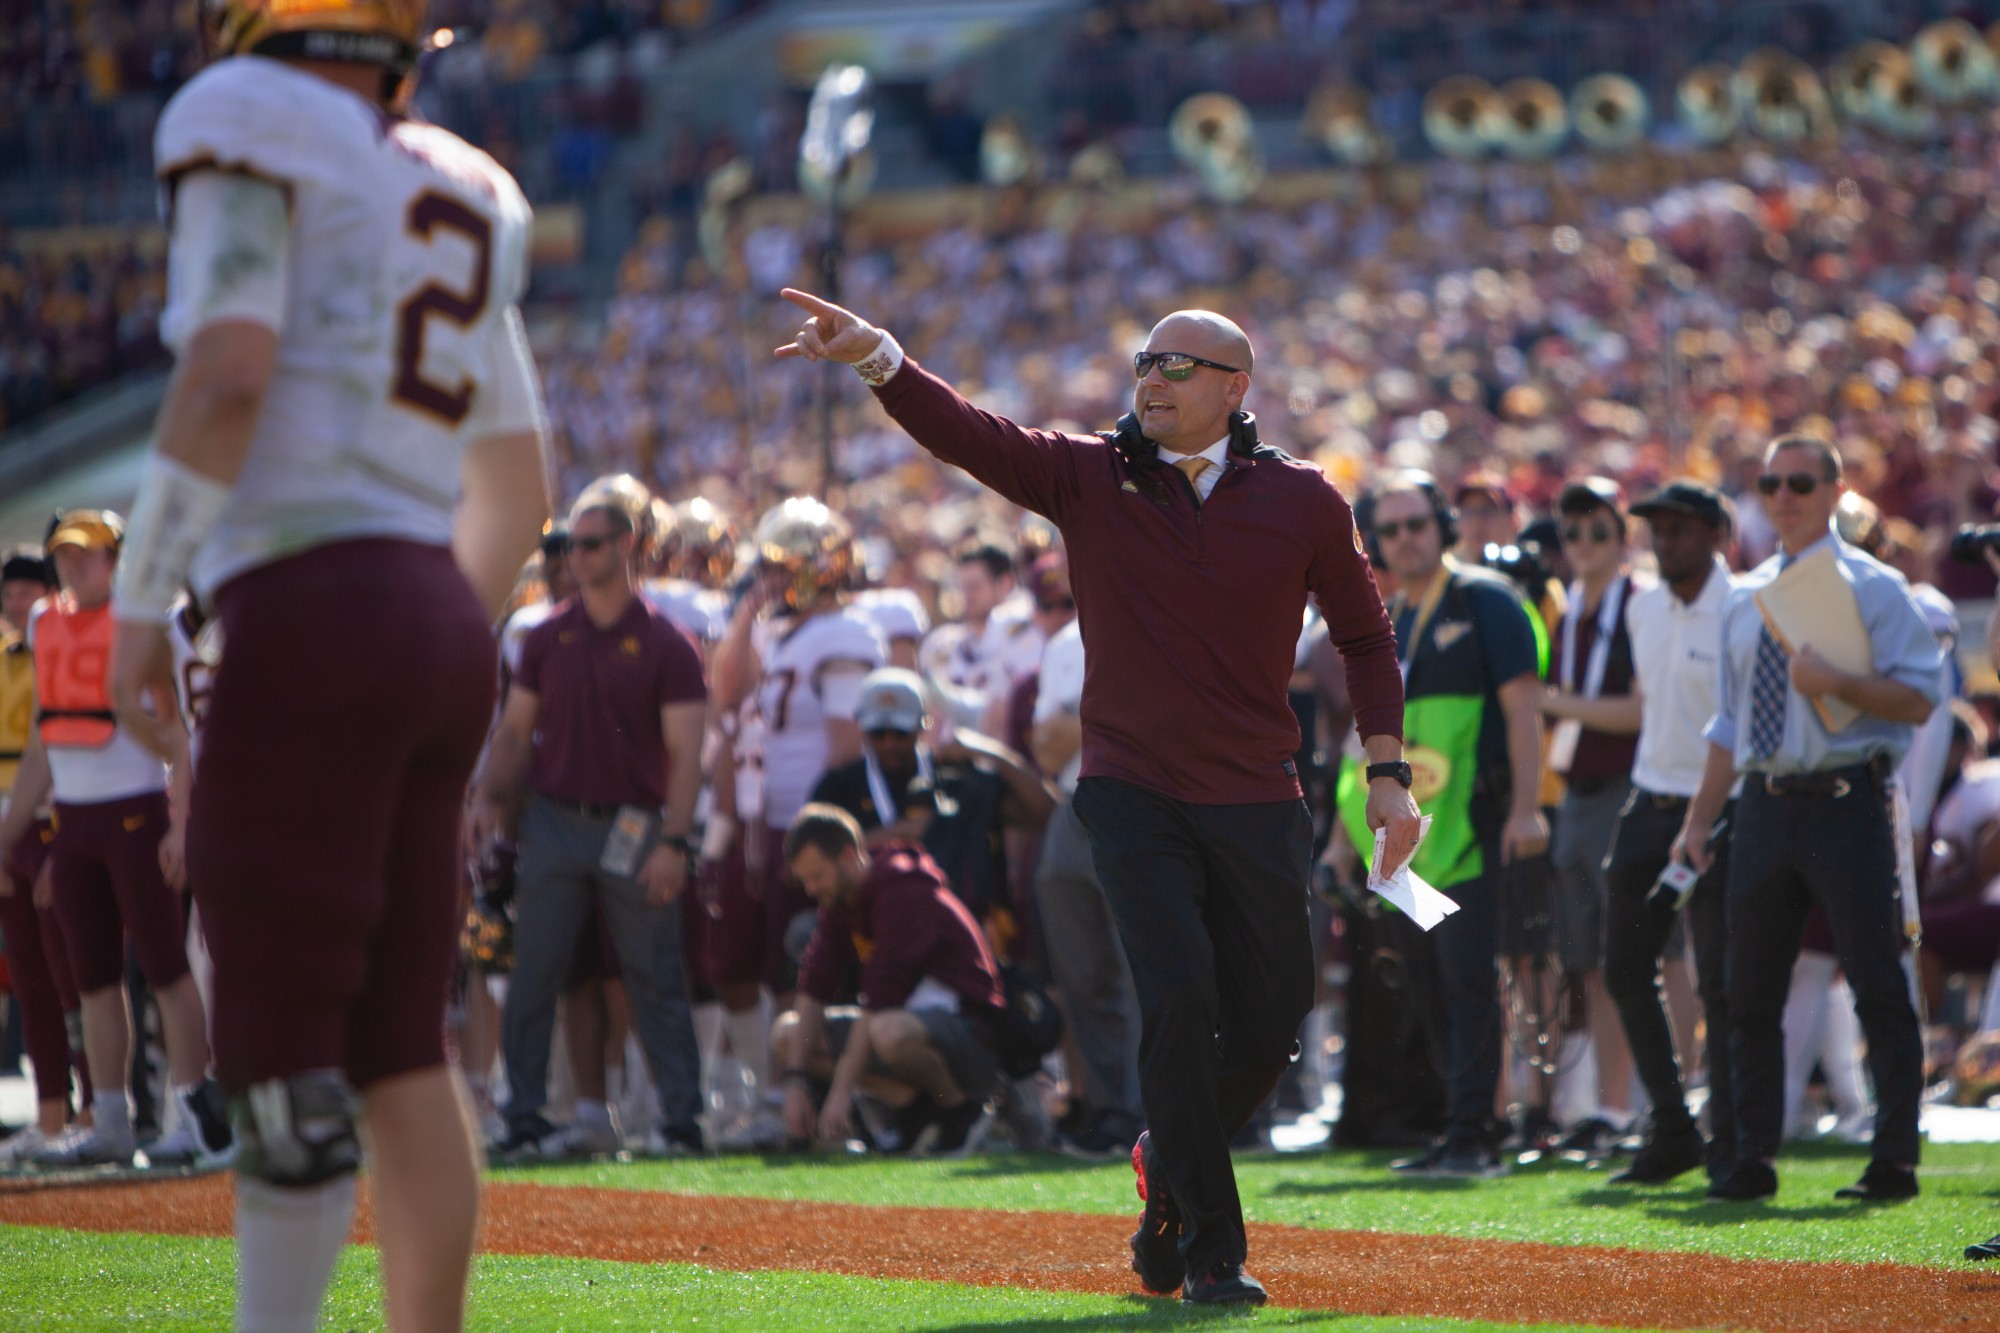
[[808, 547], [704, 548], [625, 494], [376, 31]]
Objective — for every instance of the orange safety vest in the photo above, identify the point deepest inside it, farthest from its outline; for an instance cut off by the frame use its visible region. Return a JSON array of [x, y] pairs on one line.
[[72, 675], [17, 705]]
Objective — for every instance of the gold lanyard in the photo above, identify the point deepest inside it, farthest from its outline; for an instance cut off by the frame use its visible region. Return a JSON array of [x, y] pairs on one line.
[[1426, 609]]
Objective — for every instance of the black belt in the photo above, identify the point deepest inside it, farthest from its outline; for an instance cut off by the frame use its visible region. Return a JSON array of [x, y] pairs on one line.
[[1659, 800], [1835, 782]]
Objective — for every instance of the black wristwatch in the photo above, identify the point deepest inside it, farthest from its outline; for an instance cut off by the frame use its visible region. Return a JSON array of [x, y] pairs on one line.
[[1398, 769], [681, 845]]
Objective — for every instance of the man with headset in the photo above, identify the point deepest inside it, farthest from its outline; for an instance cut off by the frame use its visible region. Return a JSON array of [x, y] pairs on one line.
[[1473, 732]]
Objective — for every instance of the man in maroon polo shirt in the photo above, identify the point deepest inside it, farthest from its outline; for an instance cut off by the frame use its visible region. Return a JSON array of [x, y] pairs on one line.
[[604, 719], [1192, 550], [929, 995]]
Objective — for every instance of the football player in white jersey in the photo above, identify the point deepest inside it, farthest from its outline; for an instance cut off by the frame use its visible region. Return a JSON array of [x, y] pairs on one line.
[[351, 467], [897, 613], [694, 552], [978, 659], [804, 663]]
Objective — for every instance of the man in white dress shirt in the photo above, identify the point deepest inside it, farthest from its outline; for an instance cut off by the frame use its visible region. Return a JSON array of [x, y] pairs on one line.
[[1675, 628]]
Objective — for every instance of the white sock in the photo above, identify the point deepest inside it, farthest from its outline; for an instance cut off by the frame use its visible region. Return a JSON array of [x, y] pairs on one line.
[[708, 1023], [113, 1113], [750, 1038], [287, 1242], [1616, 1117], [592, 1113]]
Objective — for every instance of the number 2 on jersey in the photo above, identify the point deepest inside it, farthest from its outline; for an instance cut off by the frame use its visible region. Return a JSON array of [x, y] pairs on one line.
[[430, 211]]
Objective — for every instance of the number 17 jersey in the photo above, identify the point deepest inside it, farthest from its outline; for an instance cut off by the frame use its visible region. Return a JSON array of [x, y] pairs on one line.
[[400, 342]]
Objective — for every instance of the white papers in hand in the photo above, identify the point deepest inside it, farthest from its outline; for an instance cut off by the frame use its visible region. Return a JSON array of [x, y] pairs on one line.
[[1401, 886]]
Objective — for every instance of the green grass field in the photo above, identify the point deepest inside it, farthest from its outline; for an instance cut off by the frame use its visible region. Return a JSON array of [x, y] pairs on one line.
[[53, 1279]]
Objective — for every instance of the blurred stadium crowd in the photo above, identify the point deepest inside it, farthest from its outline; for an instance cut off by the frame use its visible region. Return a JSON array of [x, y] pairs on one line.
[[1535, 322]]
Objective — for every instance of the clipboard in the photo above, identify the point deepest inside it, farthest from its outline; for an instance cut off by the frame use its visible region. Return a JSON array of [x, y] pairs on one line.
[[1812, 603]]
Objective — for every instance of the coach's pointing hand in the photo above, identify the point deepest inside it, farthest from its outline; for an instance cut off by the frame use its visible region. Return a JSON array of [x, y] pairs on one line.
[[832, 334]]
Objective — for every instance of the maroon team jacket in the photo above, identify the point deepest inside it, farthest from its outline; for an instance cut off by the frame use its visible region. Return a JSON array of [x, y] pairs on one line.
[[1190, 613], [901, 924]]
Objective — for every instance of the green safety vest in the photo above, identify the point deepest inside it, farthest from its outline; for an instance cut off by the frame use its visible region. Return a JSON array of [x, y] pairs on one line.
[[1444, 707]]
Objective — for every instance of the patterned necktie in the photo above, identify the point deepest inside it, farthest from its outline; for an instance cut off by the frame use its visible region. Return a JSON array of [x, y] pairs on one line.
[[1769, 681], [1192, 468]]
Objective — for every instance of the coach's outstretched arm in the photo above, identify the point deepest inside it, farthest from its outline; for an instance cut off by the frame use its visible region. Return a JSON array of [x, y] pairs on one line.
[[1035, 469]]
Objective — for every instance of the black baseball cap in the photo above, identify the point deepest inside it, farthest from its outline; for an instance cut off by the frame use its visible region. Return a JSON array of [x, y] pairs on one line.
[[1693, 498], [26, 563], [1588, 493]]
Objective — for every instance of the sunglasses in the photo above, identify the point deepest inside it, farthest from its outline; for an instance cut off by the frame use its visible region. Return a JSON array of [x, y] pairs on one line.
[[885, 733], [1596, 532], [590, 545], [1413, 526], [1175, 366], [1798, 483], [1060, 604]]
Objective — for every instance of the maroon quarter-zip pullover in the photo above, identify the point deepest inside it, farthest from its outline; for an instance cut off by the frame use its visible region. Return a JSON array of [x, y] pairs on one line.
[[1190, 612]]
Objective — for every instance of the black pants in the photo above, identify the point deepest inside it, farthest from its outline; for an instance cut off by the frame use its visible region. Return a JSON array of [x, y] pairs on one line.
[[1635, 933], [1787, 853], [1210, 902], [1468, 985]]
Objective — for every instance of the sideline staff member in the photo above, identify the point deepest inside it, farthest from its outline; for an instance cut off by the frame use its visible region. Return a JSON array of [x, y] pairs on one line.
[[1192, 548], [1676, 627], [1813, 825], [605, 719], [1473, 719]]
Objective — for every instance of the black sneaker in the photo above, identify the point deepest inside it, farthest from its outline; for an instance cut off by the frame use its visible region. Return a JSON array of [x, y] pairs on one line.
[[1590, 1140], [1882, 1182], [524, 1139], [1156, 1245], [1749, 1182], [956, 1131], [1423, 1164], [1985, 1249], [1223, 1284], [1663, 1157], [1536, 1132], [1106, 1138], [1470, 1159]]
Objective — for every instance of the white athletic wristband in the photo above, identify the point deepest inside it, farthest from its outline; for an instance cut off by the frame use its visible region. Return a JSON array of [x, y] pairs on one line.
[[881, 365], [176, 509]]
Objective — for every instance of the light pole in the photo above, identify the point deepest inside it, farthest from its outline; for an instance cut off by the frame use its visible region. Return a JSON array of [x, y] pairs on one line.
[[835, 169]]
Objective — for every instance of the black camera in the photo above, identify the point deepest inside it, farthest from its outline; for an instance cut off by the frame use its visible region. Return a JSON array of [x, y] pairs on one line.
[[1970, 543], [1522, 562]]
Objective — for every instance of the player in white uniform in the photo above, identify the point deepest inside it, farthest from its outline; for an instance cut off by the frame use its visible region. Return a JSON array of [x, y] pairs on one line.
[[694, 550], [804, 665], [977, 661], [899, 617], [350, 467]]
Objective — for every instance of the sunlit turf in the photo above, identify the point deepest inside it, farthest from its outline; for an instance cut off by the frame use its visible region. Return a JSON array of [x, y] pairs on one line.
[[1557, 1203], [70, 1281]]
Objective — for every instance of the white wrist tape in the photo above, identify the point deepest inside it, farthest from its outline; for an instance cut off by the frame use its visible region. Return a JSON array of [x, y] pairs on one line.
[[176, 510], [881, 365]]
